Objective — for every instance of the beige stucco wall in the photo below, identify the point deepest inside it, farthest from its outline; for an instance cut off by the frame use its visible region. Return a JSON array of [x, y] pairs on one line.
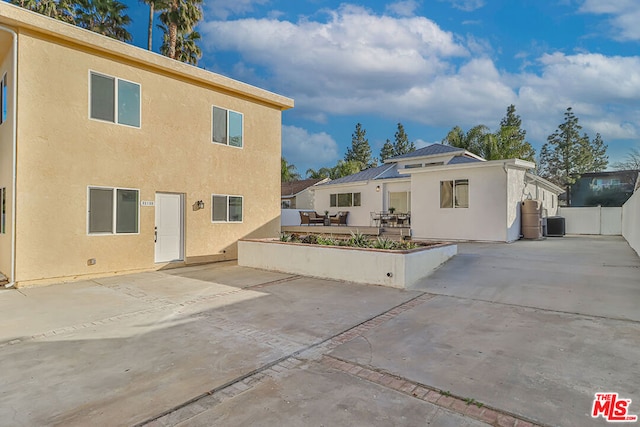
[[6, 151], [62, 152], [484, 219]]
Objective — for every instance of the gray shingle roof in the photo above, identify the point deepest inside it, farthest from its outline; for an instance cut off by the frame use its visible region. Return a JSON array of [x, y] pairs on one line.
[[429, 150], [365, 175], [462, 159]]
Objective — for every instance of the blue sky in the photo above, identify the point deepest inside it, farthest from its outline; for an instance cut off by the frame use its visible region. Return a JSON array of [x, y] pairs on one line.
[[429, 64]]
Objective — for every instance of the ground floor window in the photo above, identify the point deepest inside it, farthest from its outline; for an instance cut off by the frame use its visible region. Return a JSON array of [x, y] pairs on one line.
[[226, 208], [454, 194], [113, 210], [343, 200]]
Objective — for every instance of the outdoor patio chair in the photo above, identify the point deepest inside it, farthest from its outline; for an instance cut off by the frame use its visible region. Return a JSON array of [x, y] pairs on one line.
[[340, 218], [304, 218], [314, 218]]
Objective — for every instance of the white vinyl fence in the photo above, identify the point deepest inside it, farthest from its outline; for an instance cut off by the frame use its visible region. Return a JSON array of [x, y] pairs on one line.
[[631, 221], [598, 220]]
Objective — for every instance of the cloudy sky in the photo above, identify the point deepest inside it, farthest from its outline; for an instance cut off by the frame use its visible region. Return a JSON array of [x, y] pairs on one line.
[[429, 64]]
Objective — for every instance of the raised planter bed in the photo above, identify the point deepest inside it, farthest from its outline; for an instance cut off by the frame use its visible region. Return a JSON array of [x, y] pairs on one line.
[[397, 269]]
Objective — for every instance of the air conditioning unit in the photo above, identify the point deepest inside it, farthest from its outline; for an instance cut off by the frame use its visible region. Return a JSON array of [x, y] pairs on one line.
[[555, 226]]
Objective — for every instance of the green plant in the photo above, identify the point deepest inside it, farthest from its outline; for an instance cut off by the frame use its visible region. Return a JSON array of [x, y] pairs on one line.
[[327, 241], [384, 243], [310, 239], [286, 237], [359, 240], [392, 210]]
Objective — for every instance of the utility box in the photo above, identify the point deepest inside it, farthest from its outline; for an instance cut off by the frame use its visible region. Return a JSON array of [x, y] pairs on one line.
[[556, 226]]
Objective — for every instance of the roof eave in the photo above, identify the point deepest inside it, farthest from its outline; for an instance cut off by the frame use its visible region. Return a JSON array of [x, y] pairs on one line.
[[19, 18]]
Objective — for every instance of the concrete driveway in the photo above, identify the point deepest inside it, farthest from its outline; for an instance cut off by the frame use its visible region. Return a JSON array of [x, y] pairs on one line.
[[515, 334]]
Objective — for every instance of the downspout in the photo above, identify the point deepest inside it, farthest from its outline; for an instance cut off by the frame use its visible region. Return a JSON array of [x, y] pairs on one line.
[[14, 138]]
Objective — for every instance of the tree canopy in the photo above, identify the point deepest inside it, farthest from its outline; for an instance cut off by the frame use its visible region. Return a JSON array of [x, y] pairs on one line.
[[568, 153], [508, 142], [360, 150], [401, 145], [288, 171], [630, 162]]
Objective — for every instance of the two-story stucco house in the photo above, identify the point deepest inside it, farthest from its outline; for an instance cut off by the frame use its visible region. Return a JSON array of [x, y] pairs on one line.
[[115, 159]]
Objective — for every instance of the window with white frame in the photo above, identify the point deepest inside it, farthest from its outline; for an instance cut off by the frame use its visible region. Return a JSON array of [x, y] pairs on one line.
[[113, 210], [227, 127], [454, 194], [114, 100], [343, 200], [3, 99], [226, 208]]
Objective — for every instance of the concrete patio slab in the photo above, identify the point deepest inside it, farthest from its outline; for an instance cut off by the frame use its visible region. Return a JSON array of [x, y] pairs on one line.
[[319, 396], [595, 275]]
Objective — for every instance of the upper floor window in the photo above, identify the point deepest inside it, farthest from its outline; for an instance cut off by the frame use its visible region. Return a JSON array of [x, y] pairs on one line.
[[3, 99], [114, 100], [454, 194], [227, 127]]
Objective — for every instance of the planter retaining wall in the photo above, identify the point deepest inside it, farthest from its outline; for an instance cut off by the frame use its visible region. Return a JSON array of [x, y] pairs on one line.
[[398, 269]]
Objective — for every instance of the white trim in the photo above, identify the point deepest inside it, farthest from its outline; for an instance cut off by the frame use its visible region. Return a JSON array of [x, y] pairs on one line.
[[114, 191], [227, 136], [115, 100], [227, 196]]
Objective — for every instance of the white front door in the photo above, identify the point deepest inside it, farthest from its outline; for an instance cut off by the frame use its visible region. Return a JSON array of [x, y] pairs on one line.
[[169, 227]]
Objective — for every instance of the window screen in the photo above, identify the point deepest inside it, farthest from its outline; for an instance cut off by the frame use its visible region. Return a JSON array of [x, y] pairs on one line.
[[102, 97], [100, 210], [219, 206]]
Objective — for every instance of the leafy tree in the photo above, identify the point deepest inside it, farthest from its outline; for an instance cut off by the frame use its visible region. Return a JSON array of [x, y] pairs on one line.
[[473, 141], [106, 17], [319, 174], [360, 150], [631, 161], [180, 16], [288, 171], [387, 151], [345, 168], [401, 144], [567, 154], [510, 139]]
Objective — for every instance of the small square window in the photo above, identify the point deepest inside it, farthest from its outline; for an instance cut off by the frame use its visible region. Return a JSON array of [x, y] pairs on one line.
[[227, 127], [107, 204], [114, 100], [226, 208], [454, 194]]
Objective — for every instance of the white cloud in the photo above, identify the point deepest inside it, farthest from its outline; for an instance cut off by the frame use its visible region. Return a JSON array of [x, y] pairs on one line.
[[222, 9], [356, 63], [466, 5], [308, 150], [625, 15], [403, 8]]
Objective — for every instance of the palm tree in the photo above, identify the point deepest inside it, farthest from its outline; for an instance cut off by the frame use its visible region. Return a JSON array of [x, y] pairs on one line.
[[61, 10], [154, 6], [106, 17], [187, 49], [288, 171], [180, 16], [319, 174]]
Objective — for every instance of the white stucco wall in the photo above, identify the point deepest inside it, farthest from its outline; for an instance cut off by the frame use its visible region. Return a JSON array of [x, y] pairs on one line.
[[484, 219], [516, 193], [358, 215], [631, 221], [304, 199]]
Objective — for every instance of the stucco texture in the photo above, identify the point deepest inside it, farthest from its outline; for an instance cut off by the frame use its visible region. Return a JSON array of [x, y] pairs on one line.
[[61, 151]]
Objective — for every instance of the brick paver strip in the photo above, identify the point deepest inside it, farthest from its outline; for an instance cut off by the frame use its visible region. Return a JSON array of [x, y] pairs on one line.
[[429, 394]]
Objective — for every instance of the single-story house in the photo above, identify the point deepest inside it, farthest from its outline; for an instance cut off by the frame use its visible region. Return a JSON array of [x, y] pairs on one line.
[[115, 159], [450, 194], [297, 194]]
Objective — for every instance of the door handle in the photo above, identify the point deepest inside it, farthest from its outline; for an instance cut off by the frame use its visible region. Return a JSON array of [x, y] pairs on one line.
[[155, 235]]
